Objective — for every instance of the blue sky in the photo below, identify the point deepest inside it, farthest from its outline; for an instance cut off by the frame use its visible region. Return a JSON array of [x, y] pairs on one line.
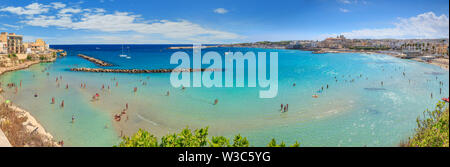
[[207, 21]]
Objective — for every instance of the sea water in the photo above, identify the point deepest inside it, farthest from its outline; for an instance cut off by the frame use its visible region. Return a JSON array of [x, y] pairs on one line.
[[355, 109]]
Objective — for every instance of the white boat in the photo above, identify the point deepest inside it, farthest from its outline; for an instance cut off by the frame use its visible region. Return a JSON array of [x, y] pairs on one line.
[[123, 55]]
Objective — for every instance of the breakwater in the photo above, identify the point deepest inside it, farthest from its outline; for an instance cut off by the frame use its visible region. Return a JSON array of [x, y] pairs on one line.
[[94, 60], [141, 70]]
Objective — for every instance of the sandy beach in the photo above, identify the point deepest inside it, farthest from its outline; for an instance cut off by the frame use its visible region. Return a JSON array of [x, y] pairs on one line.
[[27, 126]]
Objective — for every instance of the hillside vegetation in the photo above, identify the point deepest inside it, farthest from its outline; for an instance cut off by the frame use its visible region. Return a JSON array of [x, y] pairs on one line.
[[432, 129]]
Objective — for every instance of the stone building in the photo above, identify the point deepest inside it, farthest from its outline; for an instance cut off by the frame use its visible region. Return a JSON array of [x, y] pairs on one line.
[[14, 43]]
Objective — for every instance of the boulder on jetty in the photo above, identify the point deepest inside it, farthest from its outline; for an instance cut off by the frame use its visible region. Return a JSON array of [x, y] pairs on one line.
[[94, 60], [141, 70]]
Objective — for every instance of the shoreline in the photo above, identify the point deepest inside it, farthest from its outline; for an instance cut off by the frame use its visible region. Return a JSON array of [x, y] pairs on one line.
[[440, 62], [442, 65], [31, 125]]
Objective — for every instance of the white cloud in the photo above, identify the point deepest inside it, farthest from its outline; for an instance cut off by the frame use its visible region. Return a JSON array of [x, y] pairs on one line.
[[97, 19], [426, 25], [344, 10], [70, 10], [348, 2], [12, 26], [58, 5], [32, 9], [220, 11], [345, 1]]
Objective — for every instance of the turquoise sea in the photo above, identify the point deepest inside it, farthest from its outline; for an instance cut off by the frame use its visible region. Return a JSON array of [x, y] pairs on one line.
[[356, 110]]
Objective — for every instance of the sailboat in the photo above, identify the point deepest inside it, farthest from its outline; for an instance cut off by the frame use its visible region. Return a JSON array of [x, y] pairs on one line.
[[123, 55], [128, 57]]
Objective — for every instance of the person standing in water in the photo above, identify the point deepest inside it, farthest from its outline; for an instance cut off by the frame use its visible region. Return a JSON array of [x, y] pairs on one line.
[[281, 109], [53, 100], [216, 101], [73, 118], [62, 104]]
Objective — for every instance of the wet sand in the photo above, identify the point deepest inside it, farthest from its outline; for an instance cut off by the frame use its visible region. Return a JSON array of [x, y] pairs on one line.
[[31, 124]]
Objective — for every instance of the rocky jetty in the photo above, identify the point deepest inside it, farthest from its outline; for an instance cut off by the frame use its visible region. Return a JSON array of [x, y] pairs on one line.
[[94, 60], [141, 70]]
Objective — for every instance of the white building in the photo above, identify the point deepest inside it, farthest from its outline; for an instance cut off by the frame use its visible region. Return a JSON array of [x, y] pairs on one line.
[[3, 48]]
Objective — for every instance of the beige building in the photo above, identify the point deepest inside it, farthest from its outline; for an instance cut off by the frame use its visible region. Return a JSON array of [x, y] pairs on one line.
[[39, 46], [338, 42], [14, 42]]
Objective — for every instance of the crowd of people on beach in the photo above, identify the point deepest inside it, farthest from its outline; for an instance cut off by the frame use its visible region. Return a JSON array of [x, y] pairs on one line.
[[123, 114]]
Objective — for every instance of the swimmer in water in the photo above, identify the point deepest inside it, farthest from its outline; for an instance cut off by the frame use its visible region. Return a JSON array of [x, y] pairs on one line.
[[216, 101]]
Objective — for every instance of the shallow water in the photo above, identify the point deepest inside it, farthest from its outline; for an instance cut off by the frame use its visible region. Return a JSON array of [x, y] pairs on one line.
[[361, 112]]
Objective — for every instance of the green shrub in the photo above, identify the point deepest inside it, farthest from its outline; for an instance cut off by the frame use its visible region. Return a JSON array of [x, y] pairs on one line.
[[187, 138], [432, 129]]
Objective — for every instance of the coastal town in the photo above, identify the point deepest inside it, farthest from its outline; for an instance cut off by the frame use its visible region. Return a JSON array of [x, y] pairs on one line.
[[433, 51], [14, 51], [17, 126]]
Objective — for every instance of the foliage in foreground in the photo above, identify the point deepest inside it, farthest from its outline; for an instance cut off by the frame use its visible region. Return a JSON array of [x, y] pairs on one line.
[[187, 138], [432, 130]]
